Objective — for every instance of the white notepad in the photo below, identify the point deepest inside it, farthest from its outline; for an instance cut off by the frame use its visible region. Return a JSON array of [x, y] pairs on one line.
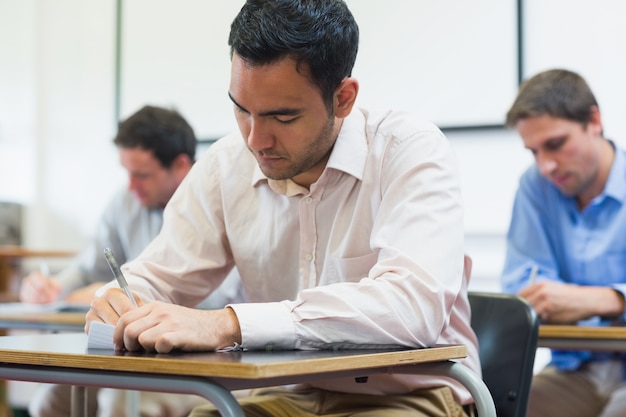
[[100, 336]]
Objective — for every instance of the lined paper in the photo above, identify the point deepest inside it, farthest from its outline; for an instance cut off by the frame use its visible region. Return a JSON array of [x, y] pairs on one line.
[[100, 336]]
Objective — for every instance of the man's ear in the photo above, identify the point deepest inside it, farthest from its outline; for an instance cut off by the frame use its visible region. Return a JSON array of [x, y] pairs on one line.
[[182, 163], [595, 121], [345, 96]]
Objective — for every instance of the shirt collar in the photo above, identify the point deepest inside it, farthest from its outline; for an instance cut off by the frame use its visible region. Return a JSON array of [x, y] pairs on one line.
[[350, 152], [616, 184]]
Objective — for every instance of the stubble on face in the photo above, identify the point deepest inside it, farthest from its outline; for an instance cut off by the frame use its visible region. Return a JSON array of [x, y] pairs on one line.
[[569, 155], [314, 155]]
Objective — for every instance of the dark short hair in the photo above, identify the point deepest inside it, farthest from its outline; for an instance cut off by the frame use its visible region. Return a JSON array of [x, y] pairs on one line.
[[558, 93], [322, 34], [164, 132]]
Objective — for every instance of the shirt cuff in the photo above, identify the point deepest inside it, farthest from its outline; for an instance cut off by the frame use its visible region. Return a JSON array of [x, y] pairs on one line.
[[265, 326], [621, 288]]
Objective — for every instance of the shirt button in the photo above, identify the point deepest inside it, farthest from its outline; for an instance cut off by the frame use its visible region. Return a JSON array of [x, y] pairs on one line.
[[308, 257], [308, 200]]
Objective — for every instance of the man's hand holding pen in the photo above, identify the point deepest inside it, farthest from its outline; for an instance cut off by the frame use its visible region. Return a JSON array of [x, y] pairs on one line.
[[159, 326], [163, 327], [560, 303], [109, 307]]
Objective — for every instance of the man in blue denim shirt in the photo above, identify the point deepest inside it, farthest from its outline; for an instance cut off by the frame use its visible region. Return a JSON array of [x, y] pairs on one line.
[[566, 245]]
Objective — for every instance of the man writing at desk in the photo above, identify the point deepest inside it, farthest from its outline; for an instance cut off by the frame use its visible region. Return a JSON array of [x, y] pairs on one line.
[[566, 251], [346, 227], [157, 148]]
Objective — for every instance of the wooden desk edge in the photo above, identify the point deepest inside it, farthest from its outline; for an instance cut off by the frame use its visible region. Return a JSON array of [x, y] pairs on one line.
[[22, 252], [74, 318], [193, 367], [581, 332]]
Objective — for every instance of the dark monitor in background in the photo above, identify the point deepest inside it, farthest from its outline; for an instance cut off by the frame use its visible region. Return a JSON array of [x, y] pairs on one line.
[[10, 223]]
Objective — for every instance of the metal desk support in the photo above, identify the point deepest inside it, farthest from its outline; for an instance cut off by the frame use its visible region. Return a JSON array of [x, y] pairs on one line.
[[223, 400]]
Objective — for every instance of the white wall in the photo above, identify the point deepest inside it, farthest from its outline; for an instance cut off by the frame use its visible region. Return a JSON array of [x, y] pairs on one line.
[[491, 163], [56, 118], [57, 104], [588, 39]]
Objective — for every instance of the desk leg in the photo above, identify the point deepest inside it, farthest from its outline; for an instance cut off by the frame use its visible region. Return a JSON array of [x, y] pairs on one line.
[[132, 403], [476, 386], [6, 271], [79, 401]]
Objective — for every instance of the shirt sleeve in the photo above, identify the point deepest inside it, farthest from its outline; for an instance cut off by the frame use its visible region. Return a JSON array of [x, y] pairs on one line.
[[528, 243]]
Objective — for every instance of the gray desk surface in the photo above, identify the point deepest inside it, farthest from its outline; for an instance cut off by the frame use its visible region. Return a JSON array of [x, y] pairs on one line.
[[64, 359]]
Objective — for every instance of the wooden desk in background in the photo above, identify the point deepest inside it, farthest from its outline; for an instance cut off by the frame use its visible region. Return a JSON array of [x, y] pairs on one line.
[[9, 255], [46, 322], [72, 321], [64, 359], [583, 338]]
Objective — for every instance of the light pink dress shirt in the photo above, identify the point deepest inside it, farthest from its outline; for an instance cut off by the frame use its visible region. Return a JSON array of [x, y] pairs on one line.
[[371, 256]]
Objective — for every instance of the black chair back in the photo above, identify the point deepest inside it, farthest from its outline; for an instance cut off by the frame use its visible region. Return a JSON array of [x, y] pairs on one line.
[[507, 328]]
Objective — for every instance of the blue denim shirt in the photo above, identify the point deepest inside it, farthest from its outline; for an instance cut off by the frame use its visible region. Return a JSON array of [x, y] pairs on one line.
[[585, 247]]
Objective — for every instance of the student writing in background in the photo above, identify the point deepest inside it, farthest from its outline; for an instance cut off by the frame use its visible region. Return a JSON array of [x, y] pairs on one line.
[[567, 232], [347, 223], [157, 148]]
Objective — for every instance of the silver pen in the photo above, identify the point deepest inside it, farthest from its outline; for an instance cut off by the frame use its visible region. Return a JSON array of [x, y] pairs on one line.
[[117, 272]]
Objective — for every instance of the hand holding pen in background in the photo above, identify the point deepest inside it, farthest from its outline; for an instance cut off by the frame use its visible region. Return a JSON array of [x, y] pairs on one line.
[[39, 287]]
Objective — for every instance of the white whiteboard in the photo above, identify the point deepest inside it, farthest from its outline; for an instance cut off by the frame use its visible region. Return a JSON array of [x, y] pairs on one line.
[[456, 62], [559, 35]]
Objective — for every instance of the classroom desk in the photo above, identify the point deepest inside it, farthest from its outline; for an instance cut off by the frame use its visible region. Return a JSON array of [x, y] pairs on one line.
[[8, 254], [46, 322], [43, 321], [64, 359], [8, 286], [582, 338]]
